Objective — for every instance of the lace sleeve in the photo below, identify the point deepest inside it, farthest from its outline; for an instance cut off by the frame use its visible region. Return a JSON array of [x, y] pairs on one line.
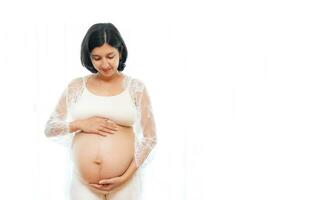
[[57, 126], [145, 129]]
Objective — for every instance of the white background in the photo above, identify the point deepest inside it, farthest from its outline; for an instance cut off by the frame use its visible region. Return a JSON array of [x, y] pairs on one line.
[[234, 86]]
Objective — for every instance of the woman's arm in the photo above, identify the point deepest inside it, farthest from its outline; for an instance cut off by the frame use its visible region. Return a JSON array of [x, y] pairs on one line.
[[57, 124], [146, 132], [147, 138]]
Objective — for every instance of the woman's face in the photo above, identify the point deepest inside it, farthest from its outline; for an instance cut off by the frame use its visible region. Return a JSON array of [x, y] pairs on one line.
[[105, 59]]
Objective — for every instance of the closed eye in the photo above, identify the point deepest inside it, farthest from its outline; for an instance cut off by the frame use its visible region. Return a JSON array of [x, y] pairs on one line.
[[100, 58]]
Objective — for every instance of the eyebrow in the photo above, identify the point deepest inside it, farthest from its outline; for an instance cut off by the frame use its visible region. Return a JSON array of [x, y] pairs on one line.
[[99, 55]]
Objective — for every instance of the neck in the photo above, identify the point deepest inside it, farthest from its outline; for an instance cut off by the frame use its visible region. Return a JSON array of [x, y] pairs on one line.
[[108, 79]]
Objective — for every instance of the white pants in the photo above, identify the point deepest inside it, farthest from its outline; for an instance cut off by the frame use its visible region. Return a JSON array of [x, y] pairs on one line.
[[130, 190]]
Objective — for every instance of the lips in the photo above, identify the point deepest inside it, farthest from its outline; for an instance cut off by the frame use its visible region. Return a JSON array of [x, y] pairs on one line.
[[106, 69]]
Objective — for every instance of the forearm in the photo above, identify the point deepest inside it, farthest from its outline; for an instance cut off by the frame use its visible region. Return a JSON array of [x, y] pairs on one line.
[[130, 170]]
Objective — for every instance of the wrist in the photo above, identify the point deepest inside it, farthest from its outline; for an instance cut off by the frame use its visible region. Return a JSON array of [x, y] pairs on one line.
[[74, 126], [124, 178]]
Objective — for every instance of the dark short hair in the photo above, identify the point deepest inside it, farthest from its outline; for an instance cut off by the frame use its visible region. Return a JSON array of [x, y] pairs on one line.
[[96, 36]]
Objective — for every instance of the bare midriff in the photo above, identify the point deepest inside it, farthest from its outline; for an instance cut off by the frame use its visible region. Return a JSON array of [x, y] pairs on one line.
[[98, 157]]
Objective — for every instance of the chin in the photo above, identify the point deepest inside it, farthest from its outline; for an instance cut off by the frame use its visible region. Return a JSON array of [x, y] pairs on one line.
[[108, 73]]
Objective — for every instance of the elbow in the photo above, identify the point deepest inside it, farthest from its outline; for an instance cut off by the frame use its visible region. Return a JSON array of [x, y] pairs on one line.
[[154, 142], [48, 132], [55, 129], [51, 132]]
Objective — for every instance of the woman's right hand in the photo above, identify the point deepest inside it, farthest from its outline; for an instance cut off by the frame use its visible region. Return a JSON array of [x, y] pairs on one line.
[[98, 125]]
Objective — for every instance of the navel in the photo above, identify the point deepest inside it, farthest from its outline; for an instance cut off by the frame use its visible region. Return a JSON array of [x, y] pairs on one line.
[[97, 161]]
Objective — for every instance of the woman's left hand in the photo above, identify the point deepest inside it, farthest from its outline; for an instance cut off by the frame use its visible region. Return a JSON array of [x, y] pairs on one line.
[[109, 184]]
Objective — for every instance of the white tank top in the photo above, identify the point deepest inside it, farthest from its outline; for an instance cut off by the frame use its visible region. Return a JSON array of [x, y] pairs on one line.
[[119, 108]]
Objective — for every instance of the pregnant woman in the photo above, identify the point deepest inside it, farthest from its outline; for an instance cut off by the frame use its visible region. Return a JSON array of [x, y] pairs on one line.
[[108, 117]]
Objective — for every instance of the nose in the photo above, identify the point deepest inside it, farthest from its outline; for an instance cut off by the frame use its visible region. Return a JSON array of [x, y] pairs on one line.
[[105, 63]]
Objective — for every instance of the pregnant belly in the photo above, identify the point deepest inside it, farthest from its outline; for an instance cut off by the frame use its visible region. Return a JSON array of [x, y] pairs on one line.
[[98, 157]]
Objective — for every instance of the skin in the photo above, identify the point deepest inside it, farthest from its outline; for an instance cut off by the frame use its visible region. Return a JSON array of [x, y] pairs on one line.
[[105, 60]]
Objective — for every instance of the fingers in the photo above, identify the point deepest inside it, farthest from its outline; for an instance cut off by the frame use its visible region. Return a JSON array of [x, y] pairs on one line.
[[106, 126], [106, 130], [110, 128], [96, 185], [107, 123], [113, 128], [101, 186], [102, 133], [111, 125]]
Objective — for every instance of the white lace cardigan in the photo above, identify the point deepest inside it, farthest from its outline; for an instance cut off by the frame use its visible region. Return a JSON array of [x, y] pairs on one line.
[[57, 126]]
